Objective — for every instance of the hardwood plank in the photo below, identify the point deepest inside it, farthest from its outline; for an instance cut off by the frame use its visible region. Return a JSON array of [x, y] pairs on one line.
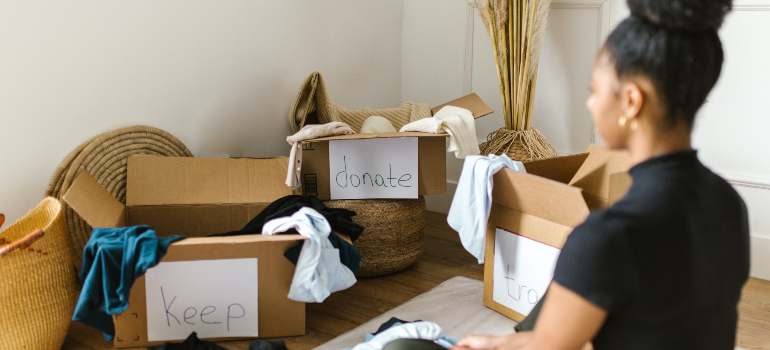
[[442, 259]]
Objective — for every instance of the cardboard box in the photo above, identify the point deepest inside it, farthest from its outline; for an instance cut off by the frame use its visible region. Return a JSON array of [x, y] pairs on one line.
[[549, 201], [195, 197], [315, 175]]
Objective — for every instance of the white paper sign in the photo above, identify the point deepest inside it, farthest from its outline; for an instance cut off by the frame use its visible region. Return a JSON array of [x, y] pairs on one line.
[[523, 270], [373, 168], [215, 298]]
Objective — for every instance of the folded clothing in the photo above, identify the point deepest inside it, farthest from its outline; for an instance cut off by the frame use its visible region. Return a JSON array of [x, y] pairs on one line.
[[455, 121], [309, 132], [113, 259], [412, 330], [472, 201], [376, 124], [443, 340], [319, 271], [193, 343], [340, 220]]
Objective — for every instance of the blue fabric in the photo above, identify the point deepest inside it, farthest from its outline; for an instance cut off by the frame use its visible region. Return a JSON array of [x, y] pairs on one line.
[[472, 201], [112, 260]]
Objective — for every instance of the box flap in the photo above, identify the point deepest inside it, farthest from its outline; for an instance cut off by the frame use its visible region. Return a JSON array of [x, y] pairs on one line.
[[184, 180], [540, 197], [561, 169], [594, 176], [470, 102], [378, 135], [620, 183], [94, 203]]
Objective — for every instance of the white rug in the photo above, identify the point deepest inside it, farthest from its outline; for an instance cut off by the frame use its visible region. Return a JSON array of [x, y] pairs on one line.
[[462, 295]]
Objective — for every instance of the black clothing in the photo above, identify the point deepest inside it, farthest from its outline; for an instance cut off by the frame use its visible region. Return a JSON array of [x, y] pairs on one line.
[[528, 323], [339, 219], [267, 345], [191, 343], [389, 323], [667, 262], [412, 344]]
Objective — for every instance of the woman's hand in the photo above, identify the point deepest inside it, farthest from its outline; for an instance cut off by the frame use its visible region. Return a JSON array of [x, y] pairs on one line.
[[515, 341]]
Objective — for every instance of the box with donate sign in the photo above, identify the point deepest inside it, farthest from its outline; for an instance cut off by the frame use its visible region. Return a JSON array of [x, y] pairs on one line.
[[382, 165]]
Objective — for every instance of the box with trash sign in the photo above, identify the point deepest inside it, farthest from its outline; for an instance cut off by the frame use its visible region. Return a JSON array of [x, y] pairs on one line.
[[380, 165], [220, 287], [533, 213]]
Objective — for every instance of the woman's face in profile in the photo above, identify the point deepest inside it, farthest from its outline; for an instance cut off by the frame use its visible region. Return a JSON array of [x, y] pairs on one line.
[[605, 103]]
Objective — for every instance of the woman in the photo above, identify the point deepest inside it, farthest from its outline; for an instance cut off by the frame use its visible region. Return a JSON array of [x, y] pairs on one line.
[[663, 268]]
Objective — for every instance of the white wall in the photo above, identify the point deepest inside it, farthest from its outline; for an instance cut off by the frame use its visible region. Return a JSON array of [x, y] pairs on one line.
[[730, 133], [219, 75]]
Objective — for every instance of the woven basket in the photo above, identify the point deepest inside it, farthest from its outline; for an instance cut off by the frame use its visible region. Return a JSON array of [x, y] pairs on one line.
[[521, 146], [393, 233], [105, 157], [37, 283]]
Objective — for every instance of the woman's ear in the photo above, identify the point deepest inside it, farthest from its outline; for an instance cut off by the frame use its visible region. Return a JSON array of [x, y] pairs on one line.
[[632, 99]]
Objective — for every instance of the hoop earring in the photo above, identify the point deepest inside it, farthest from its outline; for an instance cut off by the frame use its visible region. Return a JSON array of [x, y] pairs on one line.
[[623, 120]]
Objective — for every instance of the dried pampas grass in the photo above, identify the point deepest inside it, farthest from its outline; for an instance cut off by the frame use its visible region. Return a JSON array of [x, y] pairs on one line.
[[516, 28]]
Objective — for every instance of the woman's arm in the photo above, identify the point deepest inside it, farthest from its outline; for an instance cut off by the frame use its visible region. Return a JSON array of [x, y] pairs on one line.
[[567, 321]]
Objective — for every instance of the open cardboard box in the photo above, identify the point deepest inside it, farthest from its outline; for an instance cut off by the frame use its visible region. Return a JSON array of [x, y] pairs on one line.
[[315, 175], [196, 197], [549, 201]]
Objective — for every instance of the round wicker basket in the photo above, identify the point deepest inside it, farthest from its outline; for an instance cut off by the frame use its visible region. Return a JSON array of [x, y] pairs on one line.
[[393, 233], [105, 157]]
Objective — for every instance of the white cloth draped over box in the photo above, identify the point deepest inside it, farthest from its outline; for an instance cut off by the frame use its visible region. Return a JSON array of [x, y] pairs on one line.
[[472, 201], [319, 271], [455, 121], [309, 132]]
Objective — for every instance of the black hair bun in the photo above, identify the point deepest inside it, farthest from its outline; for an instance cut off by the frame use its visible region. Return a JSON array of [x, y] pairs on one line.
[[688, 15]]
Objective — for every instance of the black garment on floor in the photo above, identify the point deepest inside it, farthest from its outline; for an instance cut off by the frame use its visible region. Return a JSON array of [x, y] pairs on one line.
[[260, 344], [389, 323], [191, 343], [339, 219], [412, 344], [667, 262]]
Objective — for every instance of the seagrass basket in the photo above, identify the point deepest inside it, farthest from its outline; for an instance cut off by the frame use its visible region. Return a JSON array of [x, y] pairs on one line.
[[105, 157], [392, 239], [37, 282]]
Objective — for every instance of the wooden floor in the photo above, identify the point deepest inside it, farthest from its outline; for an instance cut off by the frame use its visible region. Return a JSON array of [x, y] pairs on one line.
[[443, 259]]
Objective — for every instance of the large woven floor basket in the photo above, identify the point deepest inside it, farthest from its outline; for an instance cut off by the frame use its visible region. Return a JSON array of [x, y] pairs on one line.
[[393, 233], [37, 283]]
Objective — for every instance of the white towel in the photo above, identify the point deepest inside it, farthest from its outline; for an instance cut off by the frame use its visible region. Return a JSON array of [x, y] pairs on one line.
[[376, 124], [319, 271], [309, 132], [414, 330], [469, 212], [458, 123]]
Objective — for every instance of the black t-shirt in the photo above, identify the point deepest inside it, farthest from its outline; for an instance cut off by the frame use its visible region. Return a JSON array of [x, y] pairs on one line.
[[667, 262]]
